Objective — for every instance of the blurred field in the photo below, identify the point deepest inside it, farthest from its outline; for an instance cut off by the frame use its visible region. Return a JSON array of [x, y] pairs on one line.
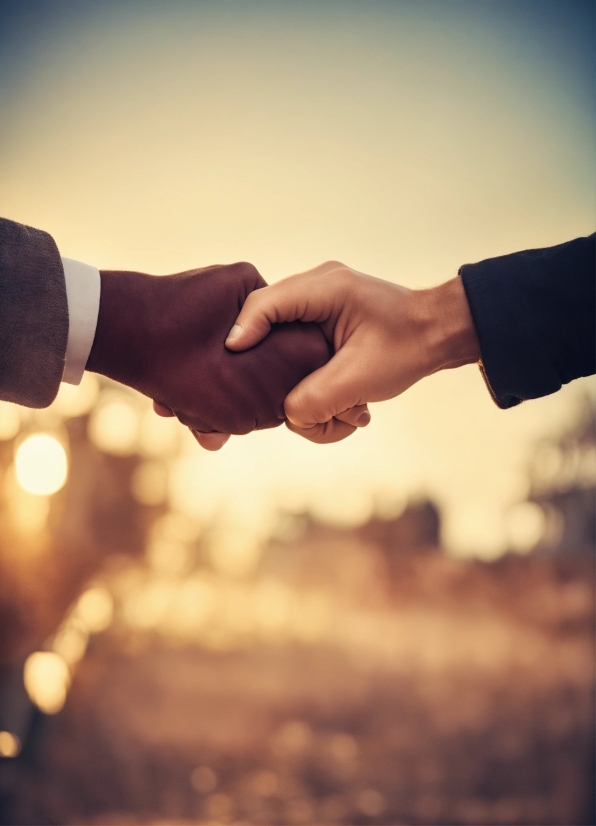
[[346, 675], [471, 710]]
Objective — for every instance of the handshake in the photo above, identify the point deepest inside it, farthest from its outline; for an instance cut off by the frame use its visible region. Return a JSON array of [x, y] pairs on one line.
[[227, 354]]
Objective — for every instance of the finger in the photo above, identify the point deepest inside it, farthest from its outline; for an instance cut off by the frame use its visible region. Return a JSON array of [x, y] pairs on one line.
[[286, 301], [323, 434], [253, 323], [210, 441], [162, 410], [359, 415], [330, 391]]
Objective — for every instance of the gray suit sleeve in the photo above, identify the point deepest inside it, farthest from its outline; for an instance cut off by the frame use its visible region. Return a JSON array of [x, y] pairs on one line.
[[33, 316]]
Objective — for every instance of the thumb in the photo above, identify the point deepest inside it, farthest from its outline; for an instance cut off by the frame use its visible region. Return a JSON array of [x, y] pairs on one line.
[[329, 391], [264, 307]]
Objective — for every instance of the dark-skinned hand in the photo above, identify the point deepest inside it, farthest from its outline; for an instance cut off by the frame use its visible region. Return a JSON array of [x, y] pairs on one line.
[[164, 336]]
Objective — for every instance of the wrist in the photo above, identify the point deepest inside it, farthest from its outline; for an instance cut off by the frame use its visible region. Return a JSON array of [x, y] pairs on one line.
[[122, 339], [451, 336]]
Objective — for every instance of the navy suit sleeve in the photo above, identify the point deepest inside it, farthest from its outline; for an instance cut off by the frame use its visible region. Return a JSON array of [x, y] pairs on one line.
[[534, 313]]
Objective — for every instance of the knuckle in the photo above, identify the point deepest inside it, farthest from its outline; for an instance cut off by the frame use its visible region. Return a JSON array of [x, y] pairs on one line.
[[324, 434], [249, 273], [252, 305], [339, 275], [346, 276], [293, 408], [307, 406]]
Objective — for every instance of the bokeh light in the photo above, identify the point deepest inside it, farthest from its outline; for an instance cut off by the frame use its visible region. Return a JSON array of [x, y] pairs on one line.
[[10, 745], [77, 400], [29, 511], [292, 739], [10, 420], [203, 779], [283, 634], [41, 465], [114, 424], [234, 551], [159, 435], [94, 609], [171, 546], [371, 802], [168, 556], [47, 678], [146, 607], [196, 604], [150, 483], [265, 783], [70, 643], [392, 113], [526, 526]]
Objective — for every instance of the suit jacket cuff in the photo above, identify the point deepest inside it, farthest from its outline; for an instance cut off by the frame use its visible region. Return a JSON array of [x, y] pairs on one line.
[[33, 316], [535, 318]]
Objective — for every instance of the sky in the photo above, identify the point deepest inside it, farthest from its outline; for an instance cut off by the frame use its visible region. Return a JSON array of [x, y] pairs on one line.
[[402, 138]]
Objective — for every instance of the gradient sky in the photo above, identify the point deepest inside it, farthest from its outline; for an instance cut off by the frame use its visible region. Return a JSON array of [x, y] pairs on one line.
[[402, 138]]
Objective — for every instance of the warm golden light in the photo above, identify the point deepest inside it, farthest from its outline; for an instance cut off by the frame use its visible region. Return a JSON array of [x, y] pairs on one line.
[[114, 425], [47, 680], [525, 525], [272, 606], [170, 549], [10, 421], [29, 512], [158, 436], [234, 552], [95, 609], [10, 745], [70, 643], [279, 632], [169, 556], [194, 607], [76, 400], [150, 483], [147, 607], [364, 168], [176, 527], [41, 465]]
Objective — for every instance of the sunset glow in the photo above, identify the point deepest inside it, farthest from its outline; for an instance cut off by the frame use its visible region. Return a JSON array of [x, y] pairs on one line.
[[321, 134]]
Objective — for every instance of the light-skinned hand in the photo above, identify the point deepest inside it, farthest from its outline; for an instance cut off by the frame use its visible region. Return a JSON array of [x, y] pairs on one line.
[[386, 337]]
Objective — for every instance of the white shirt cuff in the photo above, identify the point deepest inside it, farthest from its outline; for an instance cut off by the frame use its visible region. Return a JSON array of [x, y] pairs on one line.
[[83, 287]]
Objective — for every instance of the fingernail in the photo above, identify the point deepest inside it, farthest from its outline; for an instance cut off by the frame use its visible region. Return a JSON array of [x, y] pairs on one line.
[[363, 419], [234, 333]]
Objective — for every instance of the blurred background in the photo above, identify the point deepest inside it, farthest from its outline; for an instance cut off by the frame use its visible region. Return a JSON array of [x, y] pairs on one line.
[[395, 629]]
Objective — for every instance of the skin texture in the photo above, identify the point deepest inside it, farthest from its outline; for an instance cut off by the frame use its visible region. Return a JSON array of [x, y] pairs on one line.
[[385, 337], [165, 335]]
